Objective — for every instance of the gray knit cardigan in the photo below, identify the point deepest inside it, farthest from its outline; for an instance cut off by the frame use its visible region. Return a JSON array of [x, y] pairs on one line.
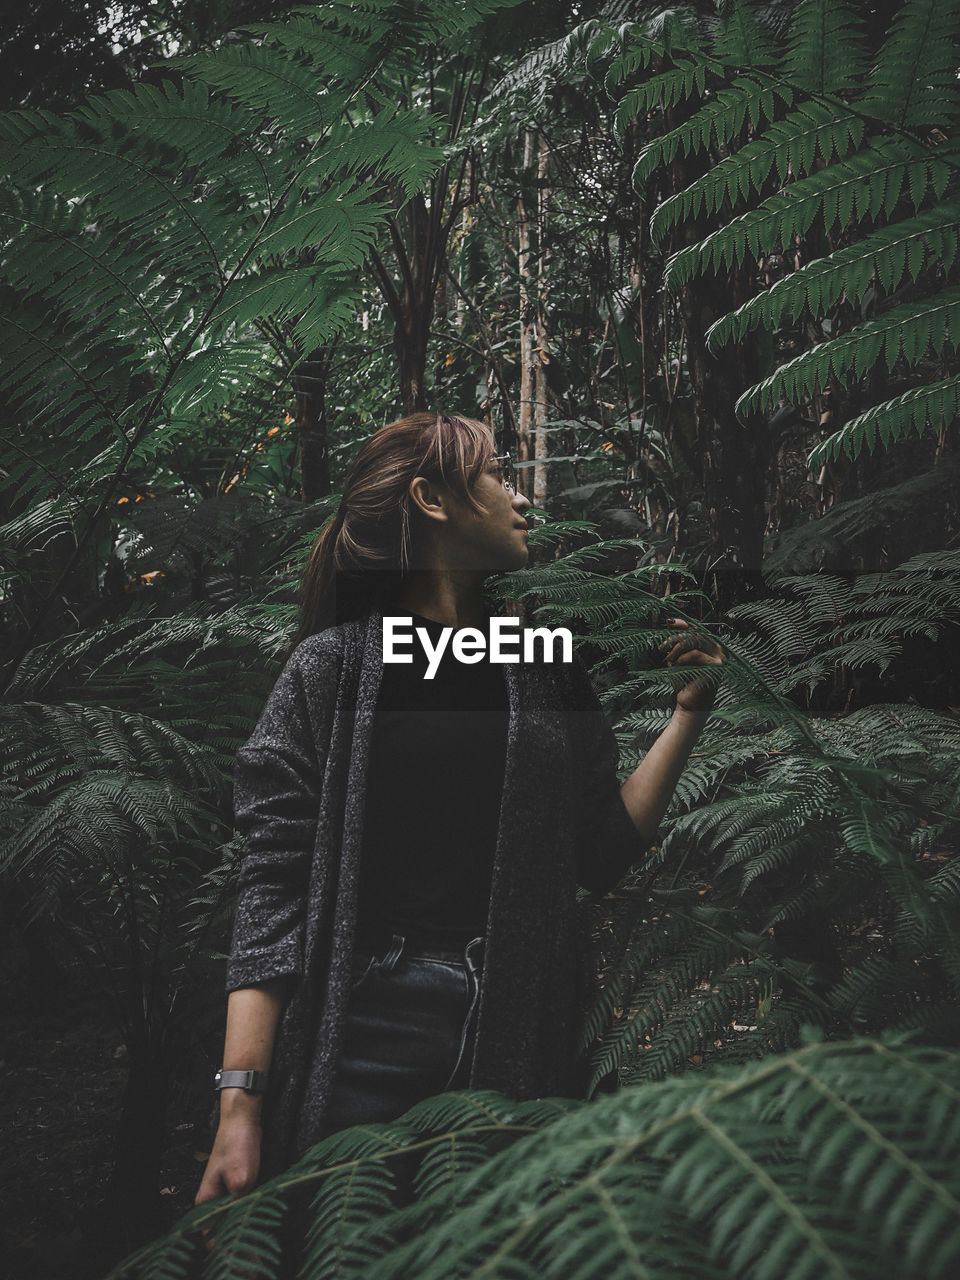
[[299, 804]]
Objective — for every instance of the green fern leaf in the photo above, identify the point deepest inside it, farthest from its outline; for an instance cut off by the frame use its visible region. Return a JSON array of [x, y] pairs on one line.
[[908, 331], [718, 121], [934, 407], [871, 179], [790, 146], [892, 253], [744, 40], [913, 84], [825, 1161], [826, 53]]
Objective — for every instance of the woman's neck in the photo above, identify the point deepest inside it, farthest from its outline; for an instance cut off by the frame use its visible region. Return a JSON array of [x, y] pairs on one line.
[[452, 597]]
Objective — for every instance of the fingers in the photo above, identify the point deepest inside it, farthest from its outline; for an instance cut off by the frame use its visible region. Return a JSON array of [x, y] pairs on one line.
[[692, 646], [222, 1186], [208, 1190], [215, 1186], [688, 643], [689, 655]]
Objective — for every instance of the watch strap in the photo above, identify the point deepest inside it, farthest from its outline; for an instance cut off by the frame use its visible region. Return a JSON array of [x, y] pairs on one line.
[[252, 1081]]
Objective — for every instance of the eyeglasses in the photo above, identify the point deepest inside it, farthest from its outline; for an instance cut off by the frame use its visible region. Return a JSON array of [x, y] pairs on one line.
[[508, 476]]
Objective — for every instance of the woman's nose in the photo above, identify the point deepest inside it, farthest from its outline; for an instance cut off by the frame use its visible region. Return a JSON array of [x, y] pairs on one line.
[[521, 501]]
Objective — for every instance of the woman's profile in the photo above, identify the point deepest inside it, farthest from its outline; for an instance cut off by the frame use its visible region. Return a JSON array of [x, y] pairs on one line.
[[407, 919]]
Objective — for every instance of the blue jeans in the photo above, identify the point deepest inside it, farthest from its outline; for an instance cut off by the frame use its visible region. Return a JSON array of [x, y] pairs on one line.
[[409, 1033]]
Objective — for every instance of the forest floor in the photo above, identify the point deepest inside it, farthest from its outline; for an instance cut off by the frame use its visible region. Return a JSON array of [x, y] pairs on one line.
[[62, 1074]]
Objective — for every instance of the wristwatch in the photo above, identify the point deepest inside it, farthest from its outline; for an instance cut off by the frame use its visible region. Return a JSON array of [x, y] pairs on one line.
[[251, 1081]]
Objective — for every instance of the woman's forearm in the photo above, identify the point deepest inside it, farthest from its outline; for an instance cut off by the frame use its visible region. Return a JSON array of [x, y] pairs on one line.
[[252, 1017], [647, 792]]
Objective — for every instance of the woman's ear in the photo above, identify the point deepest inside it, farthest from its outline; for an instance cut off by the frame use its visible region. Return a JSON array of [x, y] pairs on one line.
[[431, 497]]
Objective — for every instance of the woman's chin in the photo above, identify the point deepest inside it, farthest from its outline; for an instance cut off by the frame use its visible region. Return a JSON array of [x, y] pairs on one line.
[[515, 558]]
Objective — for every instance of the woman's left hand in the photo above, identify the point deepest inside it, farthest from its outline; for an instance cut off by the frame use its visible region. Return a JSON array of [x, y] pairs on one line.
[[694, 648]]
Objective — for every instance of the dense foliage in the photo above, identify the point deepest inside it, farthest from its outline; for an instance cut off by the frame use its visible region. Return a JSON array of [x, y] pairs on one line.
[[832, 1160], [697, 265]]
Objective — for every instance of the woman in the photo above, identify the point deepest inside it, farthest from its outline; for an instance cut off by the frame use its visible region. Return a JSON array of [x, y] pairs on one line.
[[407, 919]]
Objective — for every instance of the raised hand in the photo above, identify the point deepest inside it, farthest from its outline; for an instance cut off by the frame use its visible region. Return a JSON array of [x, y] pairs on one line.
[[692, 648]]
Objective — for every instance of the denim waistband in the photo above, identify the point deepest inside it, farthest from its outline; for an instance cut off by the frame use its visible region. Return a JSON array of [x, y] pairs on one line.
[[391, 948], [416, 942]]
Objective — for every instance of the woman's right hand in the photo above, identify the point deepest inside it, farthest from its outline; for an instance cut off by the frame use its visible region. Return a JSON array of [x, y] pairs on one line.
[[252, 1016], [234, 1164]]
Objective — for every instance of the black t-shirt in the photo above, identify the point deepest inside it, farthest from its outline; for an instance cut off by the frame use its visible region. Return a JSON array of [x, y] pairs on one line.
[[434, 786]]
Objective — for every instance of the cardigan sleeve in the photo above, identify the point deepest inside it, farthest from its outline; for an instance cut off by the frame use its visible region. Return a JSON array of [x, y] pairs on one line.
[[607, 841], [276, 802]]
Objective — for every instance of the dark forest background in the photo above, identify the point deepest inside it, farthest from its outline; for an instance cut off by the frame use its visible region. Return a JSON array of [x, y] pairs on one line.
[[697, 265]]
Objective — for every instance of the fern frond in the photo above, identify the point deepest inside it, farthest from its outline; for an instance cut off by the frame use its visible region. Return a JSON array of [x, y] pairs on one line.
[[790, 146], [830, 621], [828, 1160], [717, 123], [537, 72], [909, 332], [911, 413], [136, 294], [826, 53], [895, 252], [913, 84], [891, 254], [673, 31], [745, 39], [664, 90]]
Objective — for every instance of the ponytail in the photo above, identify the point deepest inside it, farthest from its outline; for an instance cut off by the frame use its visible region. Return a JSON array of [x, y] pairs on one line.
[[363, 554]]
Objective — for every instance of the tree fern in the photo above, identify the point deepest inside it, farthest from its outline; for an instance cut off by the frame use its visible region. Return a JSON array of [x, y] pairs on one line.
[[788, 147], [825, 53], [914, 82], [905, 332], [854, 159], [717, 123], [832, 1159], [869, 183], [778, 815], [160, 244], [158, 248], [895, 254], [911, 413], [829, 621], [744, 39]]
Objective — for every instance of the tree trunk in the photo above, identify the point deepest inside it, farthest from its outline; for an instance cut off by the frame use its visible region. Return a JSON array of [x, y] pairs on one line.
[[420, 234], [421, 254], [541, 438], [528, 316], [310, 385], [733, 455], [410, 343]]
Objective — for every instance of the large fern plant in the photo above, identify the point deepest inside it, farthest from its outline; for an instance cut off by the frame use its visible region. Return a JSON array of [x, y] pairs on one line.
[[160, 245], [160, 250], [167, 254], [832, 177], [834, 1160], [806, 872]]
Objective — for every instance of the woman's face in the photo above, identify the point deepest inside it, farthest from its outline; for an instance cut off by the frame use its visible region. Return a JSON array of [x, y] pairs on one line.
[[495, 538]]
